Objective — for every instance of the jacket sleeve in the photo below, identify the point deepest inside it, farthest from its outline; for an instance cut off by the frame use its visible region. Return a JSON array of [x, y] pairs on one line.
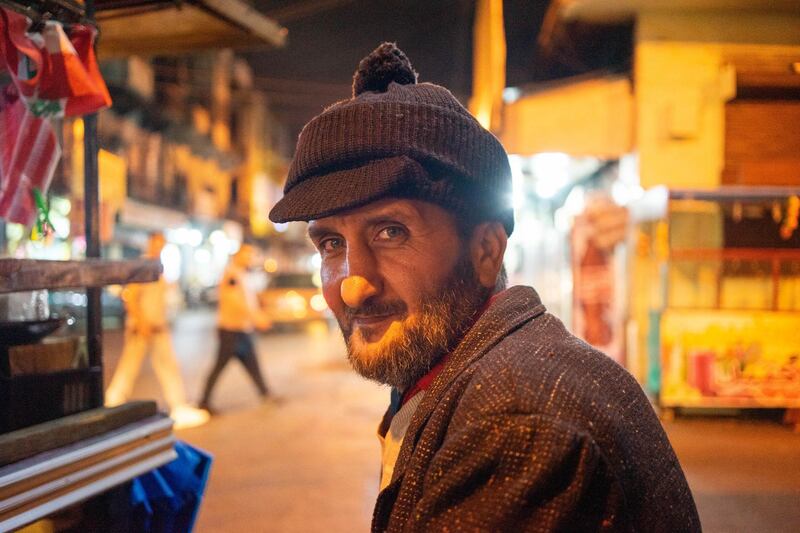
[[518, 472]]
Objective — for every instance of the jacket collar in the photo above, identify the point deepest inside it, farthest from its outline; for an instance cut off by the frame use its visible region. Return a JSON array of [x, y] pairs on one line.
[[514, 307]]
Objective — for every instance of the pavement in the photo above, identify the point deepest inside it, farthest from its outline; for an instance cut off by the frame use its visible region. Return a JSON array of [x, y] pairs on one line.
[[308, 460]]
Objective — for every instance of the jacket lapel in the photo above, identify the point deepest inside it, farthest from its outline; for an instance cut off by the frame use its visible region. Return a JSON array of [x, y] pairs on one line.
[[514, 307]]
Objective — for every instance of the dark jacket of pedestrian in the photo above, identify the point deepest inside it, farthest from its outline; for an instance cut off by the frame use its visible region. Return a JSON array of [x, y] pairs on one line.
[[528, 428]]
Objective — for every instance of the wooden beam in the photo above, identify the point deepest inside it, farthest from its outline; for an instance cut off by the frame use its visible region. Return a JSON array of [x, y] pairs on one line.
[[53, 480], [34, 440], [33, 274]]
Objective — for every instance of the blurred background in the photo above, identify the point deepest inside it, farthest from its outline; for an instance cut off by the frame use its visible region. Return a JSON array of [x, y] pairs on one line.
[[655, 149]]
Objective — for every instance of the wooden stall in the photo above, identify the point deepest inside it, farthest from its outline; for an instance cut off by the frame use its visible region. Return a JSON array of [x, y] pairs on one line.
[[58, 444]]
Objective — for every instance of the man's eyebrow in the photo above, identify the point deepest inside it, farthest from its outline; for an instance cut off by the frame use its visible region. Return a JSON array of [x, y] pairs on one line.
[[318, 231], [386, 216]]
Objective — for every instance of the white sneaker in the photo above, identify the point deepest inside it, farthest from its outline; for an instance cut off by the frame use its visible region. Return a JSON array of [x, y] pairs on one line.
[[186, 416]]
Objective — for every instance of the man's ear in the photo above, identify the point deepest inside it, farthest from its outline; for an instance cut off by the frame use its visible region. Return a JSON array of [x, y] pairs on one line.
[[487, 248]]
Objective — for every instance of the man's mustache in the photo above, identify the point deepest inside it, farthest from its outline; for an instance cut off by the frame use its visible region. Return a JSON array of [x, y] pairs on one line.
[[373, 309]]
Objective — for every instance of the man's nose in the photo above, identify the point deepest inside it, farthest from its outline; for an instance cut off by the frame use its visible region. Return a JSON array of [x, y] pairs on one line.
[[361, 281], [356, 289]]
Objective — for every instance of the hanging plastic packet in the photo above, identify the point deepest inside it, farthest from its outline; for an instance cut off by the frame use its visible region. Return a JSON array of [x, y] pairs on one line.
[[55, 72], [53, 75], [70, 82], [29, 153]]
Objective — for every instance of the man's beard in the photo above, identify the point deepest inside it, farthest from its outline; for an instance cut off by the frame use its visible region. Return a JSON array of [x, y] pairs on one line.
[[419, 341]]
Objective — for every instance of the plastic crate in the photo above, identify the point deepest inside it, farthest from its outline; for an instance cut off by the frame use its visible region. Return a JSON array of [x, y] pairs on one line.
[[35, 398]]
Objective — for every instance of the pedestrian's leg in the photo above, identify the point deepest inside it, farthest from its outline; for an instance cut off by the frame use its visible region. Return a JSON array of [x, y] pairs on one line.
[[167, 370], [130, 362], [225, 351], [247, 355]]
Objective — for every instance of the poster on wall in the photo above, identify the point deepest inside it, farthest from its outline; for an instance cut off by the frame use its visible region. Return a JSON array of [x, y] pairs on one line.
[[596, 312], [730, 359]]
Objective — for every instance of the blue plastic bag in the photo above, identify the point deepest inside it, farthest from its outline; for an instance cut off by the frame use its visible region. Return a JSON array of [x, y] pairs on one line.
[[166, 500]]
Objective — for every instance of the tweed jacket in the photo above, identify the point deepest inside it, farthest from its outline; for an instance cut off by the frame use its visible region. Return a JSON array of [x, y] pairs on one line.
[[528, 428]]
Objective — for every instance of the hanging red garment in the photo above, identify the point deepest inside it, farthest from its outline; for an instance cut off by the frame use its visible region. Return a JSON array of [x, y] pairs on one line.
[[53, 75], [29, 153], [18, 53], [70, 74], [56, 74]]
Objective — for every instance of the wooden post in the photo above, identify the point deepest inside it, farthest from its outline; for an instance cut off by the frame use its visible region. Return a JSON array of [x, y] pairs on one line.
[[91, 198], [776, 282]]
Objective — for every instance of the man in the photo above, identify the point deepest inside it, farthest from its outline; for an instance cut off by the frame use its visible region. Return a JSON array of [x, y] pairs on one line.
[[500, 420], [238, 314], [147, 329]]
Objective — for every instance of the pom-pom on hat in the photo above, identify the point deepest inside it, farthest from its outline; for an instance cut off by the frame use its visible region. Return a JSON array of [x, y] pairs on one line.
[[396, 138]]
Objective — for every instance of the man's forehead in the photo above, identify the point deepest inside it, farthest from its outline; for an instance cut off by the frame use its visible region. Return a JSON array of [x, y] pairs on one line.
[[384, 208]]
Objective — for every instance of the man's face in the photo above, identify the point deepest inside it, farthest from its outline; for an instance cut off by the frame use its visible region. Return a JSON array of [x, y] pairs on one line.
[[399, 280]]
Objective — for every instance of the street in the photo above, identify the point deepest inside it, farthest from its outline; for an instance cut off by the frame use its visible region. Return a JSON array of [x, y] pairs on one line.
[[308, 460]]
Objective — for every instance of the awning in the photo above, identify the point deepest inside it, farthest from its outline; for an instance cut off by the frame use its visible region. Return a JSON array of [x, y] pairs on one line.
[[616, 11], [590, 116], [163, 27]]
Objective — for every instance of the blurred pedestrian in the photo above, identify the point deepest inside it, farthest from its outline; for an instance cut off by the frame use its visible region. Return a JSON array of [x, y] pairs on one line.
[[147, 330], [500, 419], [238, 316]]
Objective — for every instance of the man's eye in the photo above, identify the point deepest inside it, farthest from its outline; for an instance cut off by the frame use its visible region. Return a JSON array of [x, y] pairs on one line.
[[391, 233], [330, 245]]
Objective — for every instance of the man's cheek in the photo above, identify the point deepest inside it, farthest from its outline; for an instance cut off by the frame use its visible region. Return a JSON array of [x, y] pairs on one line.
[[331, 291]]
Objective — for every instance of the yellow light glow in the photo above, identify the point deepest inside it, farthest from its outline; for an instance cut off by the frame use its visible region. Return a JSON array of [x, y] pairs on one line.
[[295, 302], [318, 303], [77, 129], [270, 265]]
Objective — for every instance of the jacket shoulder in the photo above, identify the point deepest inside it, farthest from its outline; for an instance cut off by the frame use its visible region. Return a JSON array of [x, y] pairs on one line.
[[541, 368]]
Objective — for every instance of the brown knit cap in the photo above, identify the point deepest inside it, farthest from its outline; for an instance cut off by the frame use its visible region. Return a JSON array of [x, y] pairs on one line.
[[396, 138]]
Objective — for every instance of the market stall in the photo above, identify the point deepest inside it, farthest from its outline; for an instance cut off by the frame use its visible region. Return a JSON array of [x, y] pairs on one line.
[[726, 267], [58, 444]]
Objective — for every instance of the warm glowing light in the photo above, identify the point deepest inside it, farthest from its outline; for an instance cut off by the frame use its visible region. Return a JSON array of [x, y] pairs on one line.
[[271, 265], [194, 237], [295, 301], [517, 200], [318, 303], [218, 238], [551, 170], [202, 256], [171, 259], [77, 129]]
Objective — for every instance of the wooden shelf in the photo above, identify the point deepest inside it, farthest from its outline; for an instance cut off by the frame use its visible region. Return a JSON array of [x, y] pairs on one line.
[[40, 485], [33, 274], [33, 440]]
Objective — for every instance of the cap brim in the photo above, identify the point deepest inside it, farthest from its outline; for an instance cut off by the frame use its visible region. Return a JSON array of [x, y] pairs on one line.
[[327, 194]]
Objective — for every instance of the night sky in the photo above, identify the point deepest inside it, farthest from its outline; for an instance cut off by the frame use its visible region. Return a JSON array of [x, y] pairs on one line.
[[327, 38]]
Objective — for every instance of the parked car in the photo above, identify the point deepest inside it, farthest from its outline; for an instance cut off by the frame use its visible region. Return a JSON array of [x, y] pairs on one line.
[[293, 298], [73, 304]]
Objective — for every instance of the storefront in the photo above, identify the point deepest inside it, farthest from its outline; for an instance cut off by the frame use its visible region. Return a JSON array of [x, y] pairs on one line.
[[724, 271]]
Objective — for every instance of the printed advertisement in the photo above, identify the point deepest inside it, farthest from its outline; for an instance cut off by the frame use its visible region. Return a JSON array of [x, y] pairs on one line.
[[730, 359]]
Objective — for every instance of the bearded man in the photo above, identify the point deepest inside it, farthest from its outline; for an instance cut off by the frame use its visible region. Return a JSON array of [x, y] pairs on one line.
[[500, 419]]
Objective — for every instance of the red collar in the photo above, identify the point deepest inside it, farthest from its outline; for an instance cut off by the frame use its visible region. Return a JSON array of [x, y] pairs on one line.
[[425, 381]]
